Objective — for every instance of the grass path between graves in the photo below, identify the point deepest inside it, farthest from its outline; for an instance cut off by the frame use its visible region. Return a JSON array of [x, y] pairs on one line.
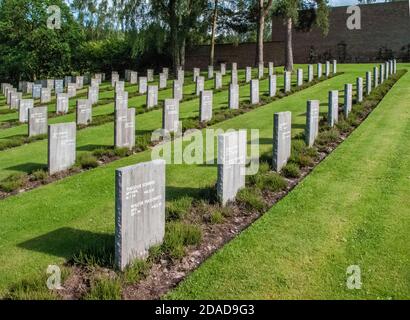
[[352, 210], [49, 224]]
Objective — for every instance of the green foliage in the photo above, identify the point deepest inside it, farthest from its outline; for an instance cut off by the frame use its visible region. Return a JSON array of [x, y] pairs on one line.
[[178, 209], [252, 199], [291, 170], [216, 217], [177, 236], [101, 255], [39, 175], [87, 161], [104, 289], [13, 182], [135, 271]]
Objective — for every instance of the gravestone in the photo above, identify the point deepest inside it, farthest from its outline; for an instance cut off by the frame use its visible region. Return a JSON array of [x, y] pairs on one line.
[[271, 68], [139, 210], [21, 84], [50, 84], [170, 115], [218, 81], [205, 105], [248, 74], [37, 121], [127, 75], [327, 68], [386, 70], [282, 124], [319, 70], [114, 78], [368, 82], [142, 85], [196, 73], [152, 97], [333, 108], [391, 66], [223, 69], [24, 105], [119, 86], [231, 165], [62, 103], [348, 92], [261, 70], [394, 66], [150, 75], [9, 93], [162, 81], [79, 81], [165, 71], [15, 97], [124, 128], [133, 77], [359, 90], [300, 77], [84, 112], [334, 67], [59, 86], [121, 100], [61, 146], [312, 122], [287, 81], [310, 73], [71, 90], [210, 72], [381, 74], [93, 94], [234, 76], [254, 91], [376, 76], [67, 80], [45, 95], [233, 96], [200, 85], [36, 91], [181, 77], [272, 85], [234, 66], [177, 90]]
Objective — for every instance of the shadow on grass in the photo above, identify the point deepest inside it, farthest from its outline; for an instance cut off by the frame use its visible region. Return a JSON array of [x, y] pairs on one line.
[[65, 242], [27, 167], [92, 147]]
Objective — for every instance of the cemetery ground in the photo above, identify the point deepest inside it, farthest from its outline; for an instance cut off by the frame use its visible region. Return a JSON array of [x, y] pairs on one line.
[[350, 210]]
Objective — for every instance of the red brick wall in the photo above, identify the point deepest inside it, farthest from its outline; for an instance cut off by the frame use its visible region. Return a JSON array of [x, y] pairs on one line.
[[383, 25]]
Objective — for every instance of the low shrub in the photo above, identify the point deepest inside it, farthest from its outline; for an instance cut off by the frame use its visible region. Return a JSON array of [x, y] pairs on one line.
[[251, 198], [87, 161], [178, 209], [122, 152], [103, 152], [101, 255], [216, 217], [104, 289], [291, 170], [177, 236], [39, 175], [327, 136], [136, 271], [271, 182], [13, 182]]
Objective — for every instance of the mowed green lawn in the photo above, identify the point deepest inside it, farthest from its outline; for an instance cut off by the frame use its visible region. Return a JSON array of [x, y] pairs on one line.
[[49, 224], [352, 210]]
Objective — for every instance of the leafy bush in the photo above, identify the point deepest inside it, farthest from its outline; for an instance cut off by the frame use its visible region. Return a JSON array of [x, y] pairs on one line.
[[291, 170], [136, 271], [103, 152], [216, 217], [39, 175], [87, 161], [178, 209], [177, 236], [13, 182], [251, 198], [122, 152], [271, 182]]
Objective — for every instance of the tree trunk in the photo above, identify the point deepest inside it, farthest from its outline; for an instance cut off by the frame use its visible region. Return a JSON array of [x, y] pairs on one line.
[[182, 53], [289, 50], [260, 32], [173, 23], [214, 20]]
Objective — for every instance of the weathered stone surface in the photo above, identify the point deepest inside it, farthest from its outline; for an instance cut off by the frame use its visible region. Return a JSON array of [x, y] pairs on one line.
[[139, 210], [210, 72], [312, 122], [79, 81], [62, 103], [9, 93], [165, 71], [359, 89], [177, 90], [162, 81], [282, 124], [119, 86], [272, 85], [61, 146], [15, 97], [310, 73], [133, 77], [93, 94], [376, 76], [234, 76], [127, 75], [333, 108], [386, 70], [248, 74], [152, 97], [114, 78], [254, 91], [71, 90], [170, 115], [271, 68], [218, 81], [382, 76], [59, 86], [223, 69], [234, 66], [261, 70], [150, 75], [319, 70], [36, 91], [121, 100], [368, 82], [287, 79], [205, 105], [50, 84], [29, 88], [181, 76], [142, 85], [24, 105], [67, 80], [394, 66], [45, 95], [200, 85], [233, 96], [348, 93], [327, 69], [195, 74], [231, 165], [300, 77], [37, 121], [334, 66], [84, 112], [124, 128]]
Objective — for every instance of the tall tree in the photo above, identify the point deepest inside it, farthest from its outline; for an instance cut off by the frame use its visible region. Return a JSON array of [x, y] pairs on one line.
[[264, 7], [213, 32]]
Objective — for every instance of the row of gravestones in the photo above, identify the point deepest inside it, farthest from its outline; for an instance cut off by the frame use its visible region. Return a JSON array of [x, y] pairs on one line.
[[140, 189]]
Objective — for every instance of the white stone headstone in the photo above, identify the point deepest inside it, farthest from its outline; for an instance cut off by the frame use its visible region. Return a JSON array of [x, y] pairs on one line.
[[282, 125]]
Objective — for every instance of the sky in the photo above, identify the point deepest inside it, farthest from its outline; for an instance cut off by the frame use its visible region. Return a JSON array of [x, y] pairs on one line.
[[344, 2]]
